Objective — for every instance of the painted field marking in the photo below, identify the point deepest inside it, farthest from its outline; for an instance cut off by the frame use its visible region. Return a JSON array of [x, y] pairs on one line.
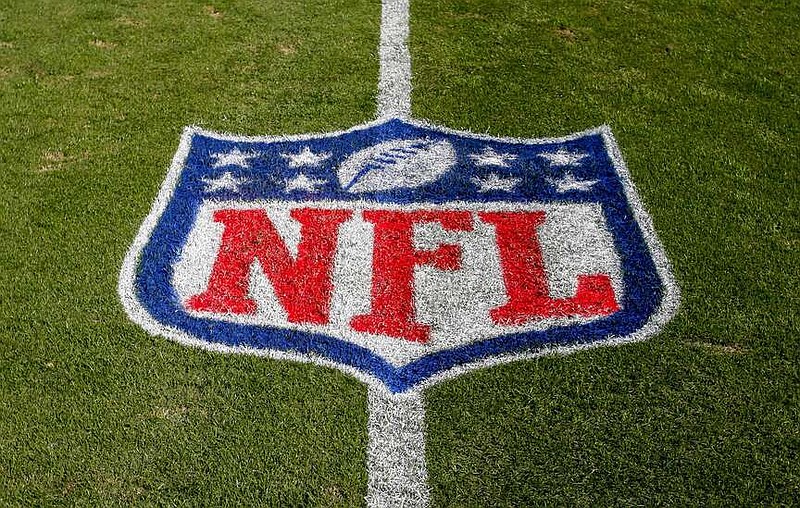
[[399, 252], [398, 475], [394, 82]]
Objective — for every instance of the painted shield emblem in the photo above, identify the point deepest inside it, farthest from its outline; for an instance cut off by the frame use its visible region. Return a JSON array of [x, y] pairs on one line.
[[397, 251]]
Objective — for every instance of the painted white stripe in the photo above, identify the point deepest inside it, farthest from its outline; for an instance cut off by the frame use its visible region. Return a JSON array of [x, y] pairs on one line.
[[396, 450], [394, 82]]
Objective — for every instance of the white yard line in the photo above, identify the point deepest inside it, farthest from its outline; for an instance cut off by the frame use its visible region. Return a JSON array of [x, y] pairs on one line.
[[396, 471], [394, 82], [396, 450]]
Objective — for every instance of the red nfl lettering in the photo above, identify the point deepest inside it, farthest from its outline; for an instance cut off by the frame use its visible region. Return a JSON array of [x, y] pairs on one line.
[[304, 285]]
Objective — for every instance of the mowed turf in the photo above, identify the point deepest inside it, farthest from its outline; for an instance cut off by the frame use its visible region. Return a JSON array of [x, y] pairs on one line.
[[703, 100]]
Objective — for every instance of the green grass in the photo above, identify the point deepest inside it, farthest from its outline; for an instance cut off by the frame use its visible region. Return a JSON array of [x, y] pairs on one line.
[[703, 99]]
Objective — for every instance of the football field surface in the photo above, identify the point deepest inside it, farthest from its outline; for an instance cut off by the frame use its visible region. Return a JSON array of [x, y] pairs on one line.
[[703, 99]]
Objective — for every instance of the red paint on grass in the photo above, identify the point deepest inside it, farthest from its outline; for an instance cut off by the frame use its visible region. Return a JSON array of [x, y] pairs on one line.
[[526, 280], [303, 285], [393, 262]]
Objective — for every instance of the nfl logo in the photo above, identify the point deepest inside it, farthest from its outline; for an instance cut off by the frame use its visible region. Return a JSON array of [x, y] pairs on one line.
[[397, 251]]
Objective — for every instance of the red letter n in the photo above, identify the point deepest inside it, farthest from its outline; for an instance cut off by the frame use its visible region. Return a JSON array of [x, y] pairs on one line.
[[303, 285]]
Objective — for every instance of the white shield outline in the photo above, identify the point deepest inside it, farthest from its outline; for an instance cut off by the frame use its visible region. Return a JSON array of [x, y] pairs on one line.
[[137, 312]]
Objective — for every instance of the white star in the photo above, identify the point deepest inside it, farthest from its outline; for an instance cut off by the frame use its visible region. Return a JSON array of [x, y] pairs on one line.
[[233, 158], [225, 182], [305, 158], [304, 183], [563, 157], [494, 182], [491, 158], [569, 183]]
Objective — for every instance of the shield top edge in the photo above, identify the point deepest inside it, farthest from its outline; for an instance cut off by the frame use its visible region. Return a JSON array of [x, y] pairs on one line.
[[192, 130]]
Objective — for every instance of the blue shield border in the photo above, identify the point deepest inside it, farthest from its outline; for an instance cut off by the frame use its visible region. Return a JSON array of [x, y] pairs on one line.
[[650, 299]]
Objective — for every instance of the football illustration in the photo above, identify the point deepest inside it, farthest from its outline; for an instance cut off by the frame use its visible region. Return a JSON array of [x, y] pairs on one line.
[[396, 164]]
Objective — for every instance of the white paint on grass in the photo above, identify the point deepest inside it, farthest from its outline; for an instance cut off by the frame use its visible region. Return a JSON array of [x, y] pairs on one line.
[[396, 164], [394, 82], [495, 182], [488, 157], [397, 476], [569, 183], [225, 182], [563, 157], [233, 158], [303, 183], [305, 158]]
